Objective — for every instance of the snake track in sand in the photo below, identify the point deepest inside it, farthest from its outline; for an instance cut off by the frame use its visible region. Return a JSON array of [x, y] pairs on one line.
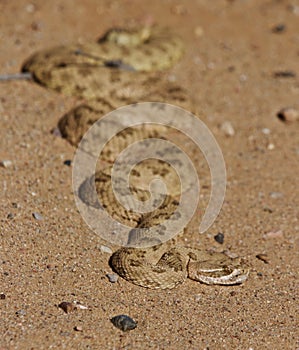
[[125, 67]]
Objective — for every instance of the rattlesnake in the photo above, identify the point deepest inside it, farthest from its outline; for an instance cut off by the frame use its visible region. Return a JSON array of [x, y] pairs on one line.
[[126, 67]]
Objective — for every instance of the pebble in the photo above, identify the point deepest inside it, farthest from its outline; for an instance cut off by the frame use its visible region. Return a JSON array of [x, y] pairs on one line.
[[284, 74], [227, 128], [279, 28], [2, 296], [276, 195], [67, 162], [10, 216], [123, 322], [105, 249], [271, 146], [274, 234], [6, 163], [288, 114], [56, 132], [21, 312], [219, 237], [37, 216], [112, 277], [78, 328], [266, 131], [30, 8], [67, 307], [263, 257]]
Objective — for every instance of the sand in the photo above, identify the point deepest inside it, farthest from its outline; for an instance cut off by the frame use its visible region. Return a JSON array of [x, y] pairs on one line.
[[233, 50]]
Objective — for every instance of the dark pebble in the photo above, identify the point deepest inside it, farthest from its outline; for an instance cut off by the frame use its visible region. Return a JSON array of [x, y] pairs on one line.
[[2, 296], [123, 322], [67, 307], [219, 237], [284, 74], [279, 28], [67, 162], [263, 257], [10, 216]]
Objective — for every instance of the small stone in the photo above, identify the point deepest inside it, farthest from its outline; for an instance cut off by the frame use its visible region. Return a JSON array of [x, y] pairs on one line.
[[276, 195], [37, 216], [274, 234], [284, 74], [279, 28], [123, 322], [67, 307], [227, 128], [243, 77], [21, 312], [10, 216], [198, 31], [2, 296], [219, 237], [30, 8], [268, 210], [6, 163], [270, 146], [266, 131], [288, 114], [105, 249], [78, 328], [67, 162], [263, 257], [112, 277], [56, 132], [15, 205]]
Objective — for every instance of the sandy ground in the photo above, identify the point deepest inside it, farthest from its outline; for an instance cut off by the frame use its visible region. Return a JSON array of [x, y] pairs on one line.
[[232, 54]]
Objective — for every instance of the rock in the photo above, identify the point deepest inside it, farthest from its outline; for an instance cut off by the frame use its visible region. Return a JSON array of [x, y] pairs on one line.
[[112, 277], [67, 162], [274, 234], [123, 322], [279, 28], [288, 114], [21, 312], [6, 163], [2, 296], [276, 195], [227, 128], [78, 328], [266, 131], [67, 307], [284, 74], [105, 249], [270, 146], [37, 216], [219, 237], [263, 257]]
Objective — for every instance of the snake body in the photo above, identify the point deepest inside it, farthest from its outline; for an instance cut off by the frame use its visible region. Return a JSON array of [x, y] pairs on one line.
[[124, 67]]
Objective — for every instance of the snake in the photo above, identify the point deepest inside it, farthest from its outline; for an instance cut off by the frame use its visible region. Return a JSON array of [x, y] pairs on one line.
[[128, 66]]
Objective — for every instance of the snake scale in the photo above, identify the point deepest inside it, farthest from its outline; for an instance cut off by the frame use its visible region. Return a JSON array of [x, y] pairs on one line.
[[124, 67]]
